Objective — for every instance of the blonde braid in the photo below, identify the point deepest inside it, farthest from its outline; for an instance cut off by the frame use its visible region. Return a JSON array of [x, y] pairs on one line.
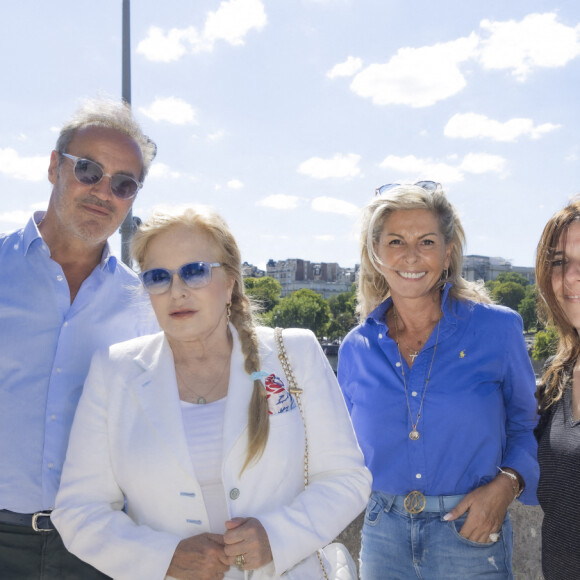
[[258, 418]]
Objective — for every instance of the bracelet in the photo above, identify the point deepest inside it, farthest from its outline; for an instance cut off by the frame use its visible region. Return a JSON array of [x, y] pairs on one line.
[[515, 482]]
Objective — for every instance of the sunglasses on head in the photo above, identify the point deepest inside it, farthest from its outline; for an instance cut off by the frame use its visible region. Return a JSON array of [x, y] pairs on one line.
[[90, 172], [430, 186], [194, 275]]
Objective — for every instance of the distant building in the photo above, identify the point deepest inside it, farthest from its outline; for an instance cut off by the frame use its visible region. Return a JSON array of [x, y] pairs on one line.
[[250, 271], [328, 279], [486, 268]]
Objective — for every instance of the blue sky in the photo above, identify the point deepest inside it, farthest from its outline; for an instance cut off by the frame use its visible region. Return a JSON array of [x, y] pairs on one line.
[[286, 114]]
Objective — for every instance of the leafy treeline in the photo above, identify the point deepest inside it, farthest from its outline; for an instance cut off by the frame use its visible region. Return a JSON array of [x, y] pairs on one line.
[[333, 318]]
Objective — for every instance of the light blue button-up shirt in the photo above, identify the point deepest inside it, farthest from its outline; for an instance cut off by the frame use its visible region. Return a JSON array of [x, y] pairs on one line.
[[46, 345], [478, 412]]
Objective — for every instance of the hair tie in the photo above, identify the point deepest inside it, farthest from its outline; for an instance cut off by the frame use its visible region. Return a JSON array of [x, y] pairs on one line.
[[258, 375]]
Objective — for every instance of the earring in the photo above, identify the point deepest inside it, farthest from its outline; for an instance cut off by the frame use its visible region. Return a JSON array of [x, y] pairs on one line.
[[228, 312]]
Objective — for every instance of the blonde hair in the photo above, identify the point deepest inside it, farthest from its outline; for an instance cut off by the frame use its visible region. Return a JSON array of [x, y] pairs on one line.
[[549, 310], [372, 287], [242, 310]]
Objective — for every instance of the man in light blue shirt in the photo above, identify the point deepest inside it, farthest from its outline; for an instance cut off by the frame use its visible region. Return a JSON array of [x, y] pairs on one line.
[[62, 296]]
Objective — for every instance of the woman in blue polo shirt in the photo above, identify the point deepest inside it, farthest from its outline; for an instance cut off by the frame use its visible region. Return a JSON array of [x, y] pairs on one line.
[[441, 393]]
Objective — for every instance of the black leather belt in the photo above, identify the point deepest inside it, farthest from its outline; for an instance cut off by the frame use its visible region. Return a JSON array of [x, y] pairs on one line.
[[39, 522]]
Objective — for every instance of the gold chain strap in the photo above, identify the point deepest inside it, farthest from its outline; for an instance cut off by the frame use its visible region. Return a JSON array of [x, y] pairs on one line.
[[296, 391]]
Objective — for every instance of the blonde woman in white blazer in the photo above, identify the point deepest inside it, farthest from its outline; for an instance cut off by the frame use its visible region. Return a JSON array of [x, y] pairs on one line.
[[186, 454]]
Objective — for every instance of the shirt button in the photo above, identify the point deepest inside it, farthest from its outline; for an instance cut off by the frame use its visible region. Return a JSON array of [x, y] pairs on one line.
[[50, 465], [235, 493], [59, 370], [380, 336], [65, 324], [52, 417], [414, 393], [418, 476], [398, 364], [60, 278]]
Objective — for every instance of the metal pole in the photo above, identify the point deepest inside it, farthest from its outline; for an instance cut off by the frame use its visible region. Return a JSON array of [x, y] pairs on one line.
[[127, 225]]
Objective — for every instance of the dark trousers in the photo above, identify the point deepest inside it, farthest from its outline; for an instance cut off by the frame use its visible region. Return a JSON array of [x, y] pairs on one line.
[[29, 555]]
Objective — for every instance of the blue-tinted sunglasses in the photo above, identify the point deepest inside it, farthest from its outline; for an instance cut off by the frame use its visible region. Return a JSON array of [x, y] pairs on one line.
[[194, 275], [430, 186]]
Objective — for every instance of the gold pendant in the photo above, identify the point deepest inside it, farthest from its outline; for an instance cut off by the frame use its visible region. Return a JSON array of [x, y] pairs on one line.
[[201, 401], [414, 435], [415, 502]]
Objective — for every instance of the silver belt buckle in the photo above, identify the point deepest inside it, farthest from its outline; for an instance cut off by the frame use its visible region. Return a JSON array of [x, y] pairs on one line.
[[35, 521]]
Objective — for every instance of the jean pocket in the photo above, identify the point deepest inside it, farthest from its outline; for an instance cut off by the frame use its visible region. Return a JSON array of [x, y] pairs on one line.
[[373, 512], [456, 526]]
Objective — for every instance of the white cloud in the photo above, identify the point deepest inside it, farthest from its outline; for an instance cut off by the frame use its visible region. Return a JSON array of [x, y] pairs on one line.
[[474, 125], [333, 205], [345, 69], [217, 136], [162, 171], [231, 22], [571, 157], [479, 163], [418, 77], [536, 41], [25, 168], [18, 216], [279, 201], [338, 166], [235, 184], [170, 109], [159, 46], [416, 169]]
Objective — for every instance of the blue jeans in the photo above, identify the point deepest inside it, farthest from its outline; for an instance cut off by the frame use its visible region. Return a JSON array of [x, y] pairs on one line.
[[397, 545]]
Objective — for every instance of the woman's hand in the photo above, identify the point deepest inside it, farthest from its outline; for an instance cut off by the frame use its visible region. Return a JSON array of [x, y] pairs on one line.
[[200, 557], [487, 507], [247, 537]]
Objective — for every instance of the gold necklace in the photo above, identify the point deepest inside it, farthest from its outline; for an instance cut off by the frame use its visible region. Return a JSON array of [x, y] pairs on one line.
[[414, 434], [201, 399]]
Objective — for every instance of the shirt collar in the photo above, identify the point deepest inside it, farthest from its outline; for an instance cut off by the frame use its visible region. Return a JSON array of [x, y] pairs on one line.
[[377, 316], [31, 233]]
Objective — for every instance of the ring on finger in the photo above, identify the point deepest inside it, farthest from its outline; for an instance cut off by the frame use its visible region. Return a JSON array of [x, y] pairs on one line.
[[240, 561], [494, 537]]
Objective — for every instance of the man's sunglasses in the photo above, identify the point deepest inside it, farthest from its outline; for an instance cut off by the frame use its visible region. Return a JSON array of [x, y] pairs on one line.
[[194, 274], [90, 172], [430, 186]]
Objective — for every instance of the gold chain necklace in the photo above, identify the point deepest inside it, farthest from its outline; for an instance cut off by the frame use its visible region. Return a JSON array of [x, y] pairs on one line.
[[201, 399], [414, 434]]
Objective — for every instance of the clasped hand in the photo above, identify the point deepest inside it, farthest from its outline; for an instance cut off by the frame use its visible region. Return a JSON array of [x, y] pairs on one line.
[[208, 556]]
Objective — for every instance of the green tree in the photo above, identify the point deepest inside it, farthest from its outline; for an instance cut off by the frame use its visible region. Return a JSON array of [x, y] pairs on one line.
[[545, 344], [301, 309], [264, 291], [342, 307], [527, 308], [509, 294], [513, 277]]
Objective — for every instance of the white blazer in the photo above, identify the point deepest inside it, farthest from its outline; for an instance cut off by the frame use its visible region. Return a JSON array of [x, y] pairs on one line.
[[128, 445]]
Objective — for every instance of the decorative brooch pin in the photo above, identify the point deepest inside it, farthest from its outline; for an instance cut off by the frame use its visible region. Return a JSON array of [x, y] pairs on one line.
[[462, 354]]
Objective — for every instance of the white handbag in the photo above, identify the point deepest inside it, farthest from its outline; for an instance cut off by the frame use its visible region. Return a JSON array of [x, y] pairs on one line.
[[333, 562]]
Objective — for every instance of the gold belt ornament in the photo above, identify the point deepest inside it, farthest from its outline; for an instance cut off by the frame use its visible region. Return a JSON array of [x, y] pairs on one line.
[[415, 502]]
